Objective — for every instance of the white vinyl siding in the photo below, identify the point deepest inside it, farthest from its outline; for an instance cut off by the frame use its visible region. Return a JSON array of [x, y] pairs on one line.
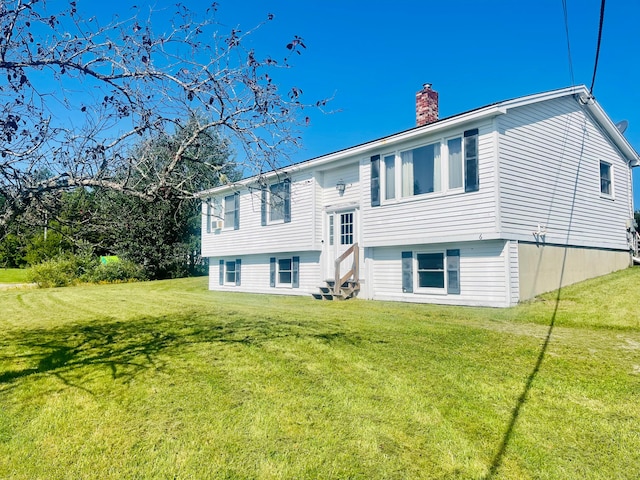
[[439, 216], [302, 233], [550, 155], [256, 274], [484, 275]]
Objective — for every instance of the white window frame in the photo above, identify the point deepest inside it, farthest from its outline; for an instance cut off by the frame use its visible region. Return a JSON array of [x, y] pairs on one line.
[[431, 290], [214, 213], [446, 171], [279, 271], [384, 179], [441, 181], [228, 221], [600, 178], [226, 272], [270, 197], [437, 170]]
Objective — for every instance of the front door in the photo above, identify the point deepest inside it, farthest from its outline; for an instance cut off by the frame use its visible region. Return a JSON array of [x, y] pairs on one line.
[[341, 234]]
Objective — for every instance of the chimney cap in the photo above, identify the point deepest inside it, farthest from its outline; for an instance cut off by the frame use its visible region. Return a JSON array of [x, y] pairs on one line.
[[427, 86]]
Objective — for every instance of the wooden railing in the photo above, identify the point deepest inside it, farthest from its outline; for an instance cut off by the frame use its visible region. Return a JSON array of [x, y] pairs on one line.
[[351, 273]]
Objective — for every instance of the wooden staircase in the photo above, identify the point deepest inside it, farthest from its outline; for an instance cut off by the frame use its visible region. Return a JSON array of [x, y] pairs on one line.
[[342, 287], [347, 290]]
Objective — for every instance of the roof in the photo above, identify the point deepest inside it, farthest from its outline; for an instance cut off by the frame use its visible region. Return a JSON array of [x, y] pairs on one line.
[[580, 92]]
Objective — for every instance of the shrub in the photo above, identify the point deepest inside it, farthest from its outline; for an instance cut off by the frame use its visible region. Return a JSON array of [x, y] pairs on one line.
[[120, 271], [57, 272], [68, 270]]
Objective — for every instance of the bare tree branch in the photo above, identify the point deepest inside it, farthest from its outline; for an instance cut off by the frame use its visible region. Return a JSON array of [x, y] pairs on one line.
[[78, 99]]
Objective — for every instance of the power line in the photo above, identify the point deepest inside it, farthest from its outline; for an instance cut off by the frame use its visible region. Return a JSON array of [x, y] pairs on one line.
[[566, 29], [595, 66]]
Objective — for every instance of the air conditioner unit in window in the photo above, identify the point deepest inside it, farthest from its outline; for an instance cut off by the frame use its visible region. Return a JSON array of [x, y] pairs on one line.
[[218, 224]]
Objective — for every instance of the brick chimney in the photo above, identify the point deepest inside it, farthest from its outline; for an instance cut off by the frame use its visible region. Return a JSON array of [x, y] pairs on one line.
[[426, 105]]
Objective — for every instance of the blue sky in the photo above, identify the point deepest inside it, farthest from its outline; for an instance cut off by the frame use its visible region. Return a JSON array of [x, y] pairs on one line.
[[372, 56]]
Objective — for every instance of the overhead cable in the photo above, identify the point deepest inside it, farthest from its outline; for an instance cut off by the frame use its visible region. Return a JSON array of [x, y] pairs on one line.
[[595, 66]]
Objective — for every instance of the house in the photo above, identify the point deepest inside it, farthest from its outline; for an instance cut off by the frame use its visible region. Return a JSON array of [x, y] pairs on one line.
[[489, 207]]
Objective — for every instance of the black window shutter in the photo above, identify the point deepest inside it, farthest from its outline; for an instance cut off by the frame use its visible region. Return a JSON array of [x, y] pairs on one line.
[[238, 263], [295, 268], [221, 273], [236, 218], [453, 271], [375, 181], [272, 271], [287, 200], [263, 205], [471, 171], [407, 272]]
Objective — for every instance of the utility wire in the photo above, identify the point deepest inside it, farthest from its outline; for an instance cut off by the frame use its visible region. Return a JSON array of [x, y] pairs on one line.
[[566, 29], [595, 66]]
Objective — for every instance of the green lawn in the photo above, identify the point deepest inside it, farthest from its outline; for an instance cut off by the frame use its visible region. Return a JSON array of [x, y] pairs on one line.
[[13, 275], [168, 380]]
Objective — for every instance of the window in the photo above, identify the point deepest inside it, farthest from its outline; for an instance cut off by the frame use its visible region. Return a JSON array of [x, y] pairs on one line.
[[454, 155], [430, 270], [389, 177], [330, 229], [448, 165], [375, 181], [435, 272], [471, 171], [276, 202], [214, 213], [606, 187], [230, 272], [284, 272], [232, 211], [346, 228], [421, 170]]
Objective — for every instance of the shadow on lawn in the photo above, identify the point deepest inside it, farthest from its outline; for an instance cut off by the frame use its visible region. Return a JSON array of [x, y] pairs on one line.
[[126, 349], [497, 460]]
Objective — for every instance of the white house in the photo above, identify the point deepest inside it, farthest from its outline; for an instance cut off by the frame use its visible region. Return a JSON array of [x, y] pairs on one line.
[[488, 207]]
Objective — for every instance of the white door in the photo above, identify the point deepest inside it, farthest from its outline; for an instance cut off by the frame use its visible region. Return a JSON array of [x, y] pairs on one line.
[[341, 234]]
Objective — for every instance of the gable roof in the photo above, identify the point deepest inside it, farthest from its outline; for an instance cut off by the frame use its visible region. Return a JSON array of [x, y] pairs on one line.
[[580, 92]]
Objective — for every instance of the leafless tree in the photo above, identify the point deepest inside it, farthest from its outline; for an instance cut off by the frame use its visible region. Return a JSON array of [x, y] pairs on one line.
[[78, 99]]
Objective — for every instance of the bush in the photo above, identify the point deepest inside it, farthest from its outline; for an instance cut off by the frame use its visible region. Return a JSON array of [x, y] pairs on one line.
[[119, 271], [72, 269], [57, 272]]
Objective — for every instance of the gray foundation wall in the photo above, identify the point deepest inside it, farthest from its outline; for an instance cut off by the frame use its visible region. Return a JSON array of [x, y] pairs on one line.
[[543, 268]]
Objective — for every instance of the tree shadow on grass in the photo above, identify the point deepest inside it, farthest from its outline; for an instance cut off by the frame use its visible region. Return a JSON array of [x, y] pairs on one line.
[[126, 349]]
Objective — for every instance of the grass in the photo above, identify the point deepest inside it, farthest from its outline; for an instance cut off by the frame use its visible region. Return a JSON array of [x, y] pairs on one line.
[[13, 275], [169, 380]]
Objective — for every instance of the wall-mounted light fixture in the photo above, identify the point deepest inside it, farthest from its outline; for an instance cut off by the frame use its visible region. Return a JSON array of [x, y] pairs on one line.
[[340, 186]]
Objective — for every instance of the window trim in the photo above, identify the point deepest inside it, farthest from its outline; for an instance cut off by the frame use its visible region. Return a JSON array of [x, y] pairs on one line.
[[609, 194], [411, 273], [441, 182], [275, 271], [266, 205], [224, 272], [437, 170], [443, 270], [235, 210]]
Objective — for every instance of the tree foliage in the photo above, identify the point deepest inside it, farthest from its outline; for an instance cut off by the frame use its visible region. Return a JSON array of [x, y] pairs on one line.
[[83, 104], [161, 235]]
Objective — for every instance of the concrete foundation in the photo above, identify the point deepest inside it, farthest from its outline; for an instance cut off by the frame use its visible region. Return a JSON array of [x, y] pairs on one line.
[[543, 268]]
